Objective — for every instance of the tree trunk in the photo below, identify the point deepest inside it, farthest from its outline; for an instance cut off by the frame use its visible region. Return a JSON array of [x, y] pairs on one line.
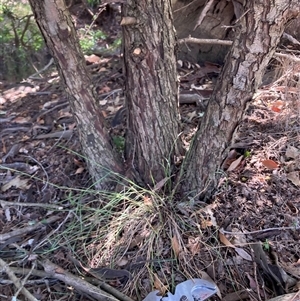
[[257, 35], [151, 88], [57, 28]]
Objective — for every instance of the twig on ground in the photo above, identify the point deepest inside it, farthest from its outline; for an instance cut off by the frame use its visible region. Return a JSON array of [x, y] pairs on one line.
[[24, 281], [19, 232], [53, 231], [16, 281], [33, 76], [50, 206], [106, 287], [61, 135], [56, 271], [45, 172], [25, 271], [63, 104], [260, 231], [256, 280]]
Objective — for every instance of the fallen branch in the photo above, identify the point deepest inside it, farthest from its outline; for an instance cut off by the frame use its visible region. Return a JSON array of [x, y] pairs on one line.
[[25, 281], [57, 272], [5, 267], [19, 232], [260, 231], [33, 76], [49, 206], [24, 271], [191, 40], [106, 287]]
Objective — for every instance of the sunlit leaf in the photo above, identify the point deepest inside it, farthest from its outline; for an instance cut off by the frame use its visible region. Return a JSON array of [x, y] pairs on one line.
[[175, 245], [159, 285], [225, 241], [235, 164], [275, 109], [270, 164]]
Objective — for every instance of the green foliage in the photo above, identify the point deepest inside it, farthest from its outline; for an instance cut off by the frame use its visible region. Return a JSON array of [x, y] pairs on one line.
[[119, 143], [20, 38], [266, 245], [93, 3], [117, 43], [247, 154], [89, 40]]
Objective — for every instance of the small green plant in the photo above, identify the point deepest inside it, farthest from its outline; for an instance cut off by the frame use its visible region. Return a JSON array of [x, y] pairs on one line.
[[119, 143], [93, 3], [88, 41], [247, 154], [266, 245]]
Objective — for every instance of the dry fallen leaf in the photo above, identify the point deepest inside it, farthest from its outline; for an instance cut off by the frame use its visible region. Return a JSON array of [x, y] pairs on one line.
[[239, 251], [206, 223], [175, 246], [208, 210], [225, 241], [277, 106], [294, 177], [193, 245], [243, 254], [92, 58], [103, 102], [235, 164], [78, 162], [79, 170], [292, 152], [122, 262], [160, 184], [159, 285], [275, 109], [147, 200], [252, 282], [16, 182], [270, 164], [191, 115]]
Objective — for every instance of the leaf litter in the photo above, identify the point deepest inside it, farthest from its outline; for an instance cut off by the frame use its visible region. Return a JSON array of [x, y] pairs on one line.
[[158, 240]]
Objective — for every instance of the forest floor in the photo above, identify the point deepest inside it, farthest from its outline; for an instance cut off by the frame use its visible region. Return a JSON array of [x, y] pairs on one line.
[[136, 240]]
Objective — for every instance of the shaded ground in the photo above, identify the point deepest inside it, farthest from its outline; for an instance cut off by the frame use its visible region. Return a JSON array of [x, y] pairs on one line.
[[137, 240]]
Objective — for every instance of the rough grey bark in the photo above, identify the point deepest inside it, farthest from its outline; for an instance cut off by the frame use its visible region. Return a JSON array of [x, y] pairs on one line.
[[57, 28], [151, 88], [257, 35]]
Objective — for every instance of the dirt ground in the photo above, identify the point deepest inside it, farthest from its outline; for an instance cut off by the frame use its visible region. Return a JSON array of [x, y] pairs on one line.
[[245, 241]]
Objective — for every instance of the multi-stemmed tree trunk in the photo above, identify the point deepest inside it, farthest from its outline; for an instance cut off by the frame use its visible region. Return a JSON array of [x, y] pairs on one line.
[[151, 88]]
